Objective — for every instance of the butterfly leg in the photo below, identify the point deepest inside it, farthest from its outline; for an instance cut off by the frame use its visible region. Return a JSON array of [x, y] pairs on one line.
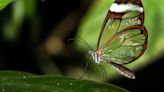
[[85, 71], [105, 77]]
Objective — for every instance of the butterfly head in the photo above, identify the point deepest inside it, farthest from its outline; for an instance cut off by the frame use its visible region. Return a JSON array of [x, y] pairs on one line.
[[97, 58]]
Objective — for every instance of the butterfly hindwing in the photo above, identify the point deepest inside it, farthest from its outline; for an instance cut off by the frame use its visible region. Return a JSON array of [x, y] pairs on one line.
[[127, 45]]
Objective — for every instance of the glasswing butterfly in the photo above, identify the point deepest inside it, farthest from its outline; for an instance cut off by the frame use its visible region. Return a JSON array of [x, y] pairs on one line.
[[123, 37]]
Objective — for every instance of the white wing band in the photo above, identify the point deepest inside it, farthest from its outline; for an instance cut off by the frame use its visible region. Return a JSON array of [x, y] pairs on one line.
[[120, 8]]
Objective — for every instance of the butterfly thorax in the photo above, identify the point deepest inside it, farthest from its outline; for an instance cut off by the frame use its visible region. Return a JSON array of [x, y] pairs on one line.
[[96, 55]]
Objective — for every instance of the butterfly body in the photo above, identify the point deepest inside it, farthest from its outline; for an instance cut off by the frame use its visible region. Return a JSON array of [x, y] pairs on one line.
[[123, 37], [97, 57]]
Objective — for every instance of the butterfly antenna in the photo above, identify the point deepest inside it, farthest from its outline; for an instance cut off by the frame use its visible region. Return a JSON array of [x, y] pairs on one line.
[[82, 41], [104, 72], [85, 42], [85, 70]]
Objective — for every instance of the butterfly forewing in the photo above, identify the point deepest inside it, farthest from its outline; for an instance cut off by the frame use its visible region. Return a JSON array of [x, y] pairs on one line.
[[108, 31], [115, 25]]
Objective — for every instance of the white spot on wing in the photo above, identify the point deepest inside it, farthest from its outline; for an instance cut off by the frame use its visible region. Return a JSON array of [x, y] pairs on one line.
[[119, 8]]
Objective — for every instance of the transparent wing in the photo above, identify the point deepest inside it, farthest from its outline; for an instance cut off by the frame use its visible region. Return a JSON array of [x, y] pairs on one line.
[[126, 45], [114, 23]]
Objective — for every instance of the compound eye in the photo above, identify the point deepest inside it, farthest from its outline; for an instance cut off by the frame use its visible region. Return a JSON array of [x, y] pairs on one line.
[[90, 52]]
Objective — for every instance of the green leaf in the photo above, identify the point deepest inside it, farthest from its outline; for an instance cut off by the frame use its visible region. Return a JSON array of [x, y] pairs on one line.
[[13, 81], [4, 3]]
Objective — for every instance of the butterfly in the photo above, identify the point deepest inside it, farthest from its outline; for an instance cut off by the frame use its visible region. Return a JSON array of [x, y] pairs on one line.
[[123, 36]]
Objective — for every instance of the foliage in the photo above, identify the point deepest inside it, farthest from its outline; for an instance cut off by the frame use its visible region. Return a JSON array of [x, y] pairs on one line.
[[4, 3], [12, 81]]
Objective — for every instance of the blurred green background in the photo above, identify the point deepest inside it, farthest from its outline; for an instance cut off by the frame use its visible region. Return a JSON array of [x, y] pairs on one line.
[[34, 37]]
